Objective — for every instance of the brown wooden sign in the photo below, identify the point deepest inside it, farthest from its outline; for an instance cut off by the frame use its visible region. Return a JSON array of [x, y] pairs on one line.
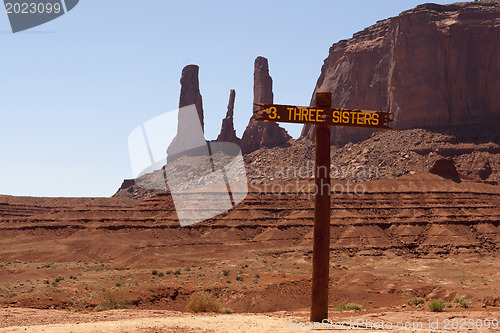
[[322, 116]]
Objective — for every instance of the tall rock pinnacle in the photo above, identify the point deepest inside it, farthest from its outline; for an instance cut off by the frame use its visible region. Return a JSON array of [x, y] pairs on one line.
[[261, 134], [227, 132], [189, 133], [190, 90]]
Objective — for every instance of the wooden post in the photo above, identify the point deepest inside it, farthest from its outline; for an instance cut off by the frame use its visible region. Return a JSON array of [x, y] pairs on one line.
[[321, 246]]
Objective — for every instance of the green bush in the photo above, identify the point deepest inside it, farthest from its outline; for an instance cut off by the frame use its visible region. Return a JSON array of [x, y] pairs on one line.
[[348, 307], [462, 301], [416, 301], [203, 301], [436, 306]]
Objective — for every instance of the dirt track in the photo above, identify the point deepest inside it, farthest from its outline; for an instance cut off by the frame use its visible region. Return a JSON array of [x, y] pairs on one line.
[[170, 321]]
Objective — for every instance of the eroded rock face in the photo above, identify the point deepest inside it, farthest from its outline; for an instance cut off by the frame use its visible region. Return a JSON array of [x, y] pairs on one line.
[[189, 135], [435, 67], [190, 90], [445, 168], [261, 134], [227, 132]]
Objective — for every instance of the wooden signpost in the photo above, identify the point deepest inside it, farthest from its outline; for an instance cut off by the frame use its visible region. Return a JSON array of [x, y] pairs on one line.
[[322, 116]]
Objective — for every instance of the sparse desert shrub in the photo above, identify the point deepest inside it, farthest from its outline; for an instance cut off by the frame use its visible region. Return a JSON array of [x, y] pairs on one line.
[[154, 272], [448, 304], [239, 278], [225, 272], [178, 272], [112, 302], [462, 301], [348, 307], [203, 301], [416, 301], [436, 306]]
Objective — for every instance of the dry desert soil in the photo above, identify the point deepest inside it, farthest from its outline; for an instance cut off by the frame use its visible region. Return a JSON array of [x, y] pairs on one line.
[[419, 235]]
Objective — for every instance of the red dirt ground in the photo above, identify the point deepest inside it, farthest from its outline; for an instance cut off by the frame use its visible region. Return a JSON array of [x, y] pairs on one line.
[[421, 235]]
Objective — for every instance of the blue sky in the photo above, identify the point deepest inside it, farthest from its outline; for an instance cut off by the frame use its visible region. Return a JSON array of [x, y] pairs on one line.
[[74, 88]]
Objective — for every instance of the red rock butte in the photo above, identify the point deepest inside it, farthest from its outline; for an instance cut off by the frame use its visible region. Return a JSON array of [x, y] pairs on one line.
[[434, 66]]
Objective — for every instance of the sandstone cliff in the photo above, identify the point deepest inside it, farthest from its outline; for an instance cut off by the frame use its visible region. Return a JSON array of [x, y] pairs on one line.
[[261, 134], [435, 67], [189, 134], [190, 90]]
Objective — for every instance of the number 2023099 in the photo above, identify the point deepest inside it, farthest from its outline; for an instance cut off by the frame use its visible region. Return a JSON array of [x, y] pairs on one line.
[[33, 8]]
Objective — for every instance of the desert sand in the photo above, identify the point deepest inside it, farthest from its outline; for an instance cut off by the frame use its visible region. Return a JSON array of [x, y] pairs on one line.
[[420, 235]]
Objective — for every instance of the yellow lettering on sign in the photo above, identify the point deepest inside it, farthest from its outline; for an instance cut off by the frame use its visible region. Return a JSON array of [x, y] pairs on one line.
[[336, 117], [359, 120], [345, 117], [274, 112], [296, 113], [375, 119], [303, 114], [318, 112], [310, 114], [368, 118], [353, 116], [290, 113]]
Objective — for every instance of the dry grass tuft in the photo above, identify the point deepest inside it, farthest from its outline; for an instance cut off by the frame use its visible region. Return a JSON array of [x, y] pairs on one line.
[[203, 301]]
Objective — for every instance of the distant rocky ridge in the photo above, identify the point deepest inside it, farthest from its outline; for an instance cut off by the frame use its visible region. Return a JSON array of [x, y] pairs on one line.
[[435, 67], [386, 155]]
